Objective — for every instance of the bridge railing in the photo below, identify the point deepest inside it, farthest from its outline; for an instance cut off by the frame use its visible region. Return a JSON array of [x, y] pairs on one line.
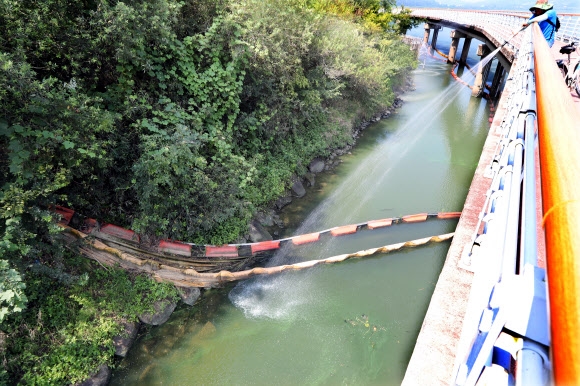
[[506, 248], [559, 139], [569, 29], [508, 294], [502, 24]]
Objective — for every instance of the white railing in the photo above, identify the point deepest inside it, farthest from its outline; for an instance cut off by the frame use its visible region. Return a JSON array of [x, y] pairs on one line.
[[501, 24], [569, 28]]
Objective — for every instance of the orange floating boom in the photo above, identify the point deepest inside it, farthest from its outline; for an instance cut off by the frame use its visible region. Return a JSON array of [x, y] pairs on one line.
[[559, 140], [343, 230]]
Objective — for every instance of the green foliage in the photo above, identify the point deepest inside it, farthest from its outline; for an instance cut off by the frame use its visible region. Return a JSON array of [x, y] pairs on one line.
[[12, 297], [168, 116], [375, 15], [176, 118], [67, 330]]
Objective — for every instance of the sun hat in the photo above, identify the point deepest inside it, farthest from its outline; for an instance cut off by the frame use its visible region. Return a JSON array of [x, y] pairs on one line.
[[543, 5]]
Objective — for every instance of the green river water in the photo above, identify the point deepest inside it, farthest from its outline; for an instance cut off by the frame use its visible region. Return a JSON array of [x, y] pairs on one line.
[[353, 323]]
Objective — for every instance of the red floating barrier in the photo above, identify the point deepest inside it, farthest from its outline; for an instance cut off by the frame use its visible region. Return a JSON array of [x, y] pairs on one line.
[[305, 239], [65, 213], [449, 215], [117, 231], [222, 251], [415, 217], [265, 246], [175, 248], [343, 230], [380, 223], [89, 225]]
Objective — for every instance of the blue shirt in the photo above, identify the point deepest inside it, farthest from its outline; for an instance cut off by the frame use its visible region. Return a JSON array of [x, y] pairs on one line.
[[548, 29]]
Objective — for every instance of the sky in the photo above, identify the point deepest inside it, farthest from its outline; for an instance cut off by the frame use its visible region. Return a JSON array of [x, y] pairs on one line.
[[564, 6]]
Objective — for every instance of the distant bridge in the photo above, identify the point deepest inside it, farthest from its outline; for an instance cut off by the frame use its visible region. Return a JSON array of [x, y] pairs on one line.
[[518, 239]]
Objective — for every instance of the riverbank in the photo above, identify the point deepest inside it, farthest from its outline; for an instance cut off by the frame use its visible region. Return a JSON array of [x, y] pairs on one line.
[[163, 309]]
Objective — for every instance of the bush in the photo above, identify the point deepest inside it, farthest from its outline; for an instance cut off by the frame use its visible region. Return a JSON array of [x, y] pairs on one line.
[[66, 332]]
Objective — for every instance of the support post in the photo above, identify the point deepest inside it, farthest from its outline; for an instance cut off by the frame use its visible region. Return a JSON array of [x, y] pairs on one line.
[[436, 29], [465, 50], [427, 27], [482, 72], [455, 36], [497, 78]]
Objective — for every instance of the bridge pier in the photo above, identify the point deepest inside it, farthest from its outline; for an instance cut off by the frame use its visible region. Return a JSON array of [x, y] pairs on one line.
[[482, 72], [455, 36], [497, 81], [428, 27], [465, 50]]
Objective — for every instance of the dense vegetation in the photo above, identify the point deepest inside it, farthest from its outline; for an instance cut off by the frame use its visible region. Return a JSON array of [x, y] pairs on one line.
[[178, 119]]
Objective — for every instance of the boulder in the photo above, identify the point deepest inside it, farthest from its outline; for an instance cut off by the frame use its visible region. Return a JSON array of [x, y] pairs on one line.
[[311, 178], [316, 166], [265, 219], [124, 341], [282, 202], [99, 378], [258, 233], [189, 295], [298, 189], [162, 311]]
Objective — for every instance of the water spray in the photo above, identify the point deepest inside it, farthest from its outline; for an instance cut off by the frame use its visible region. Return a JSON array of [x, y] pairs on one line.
[[514, 35]]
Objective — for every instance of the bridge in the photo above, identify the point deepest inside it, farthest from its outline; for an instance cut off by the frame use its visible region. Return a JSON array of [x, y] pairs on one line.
[[506, 308]]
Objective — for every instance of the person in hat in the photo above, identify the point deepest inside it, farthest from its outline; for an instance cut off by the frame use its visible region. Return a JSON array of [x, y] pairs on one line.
[[545, 16]]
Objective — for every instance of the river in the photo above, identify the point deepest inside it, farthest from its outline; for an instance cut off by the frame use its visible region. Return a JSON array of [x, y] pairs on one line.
[[353, 323]]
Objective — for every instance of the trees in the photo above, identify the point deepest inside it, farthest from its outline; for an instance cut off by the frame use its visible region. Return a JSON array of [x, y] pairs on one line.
[[178, 119]]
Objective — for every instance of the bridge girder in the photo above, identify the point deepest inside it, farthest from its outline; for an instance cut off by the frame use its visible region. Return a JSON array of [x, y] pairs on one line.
[[504, 56]]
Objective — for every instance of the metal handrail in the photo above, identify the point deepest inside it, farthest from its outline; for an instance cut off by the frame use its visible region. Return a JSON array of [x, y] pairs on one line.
[[503, 22], [559, 139]]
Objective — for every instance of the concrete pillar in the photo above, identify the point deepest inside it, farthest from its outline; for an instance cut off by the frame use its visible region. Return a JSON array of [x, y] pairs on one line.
[[455, 36], [435, 34], [427, 27], [465, 50], [497, 80], [482, 72]]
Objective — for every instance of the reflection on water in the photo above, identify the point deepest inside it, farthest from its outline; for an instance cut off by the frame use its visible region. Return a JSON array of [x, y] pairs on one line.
[[350, 323]]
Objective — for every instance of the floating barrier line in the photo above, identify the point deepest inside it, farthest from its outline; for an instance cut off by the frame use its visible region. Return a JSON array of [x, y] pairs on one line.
[[128, 238], [454, 75], [441, 53], [105, 254]]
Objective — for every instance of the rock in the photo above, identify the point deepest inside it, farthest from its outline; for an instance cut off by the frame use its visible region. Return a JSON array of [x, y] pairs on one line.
[[283, 201], [258, 233], [298, 189], [316, 166], [311, 178], [163, 310], [124, 341], [265, 219], [189, 295], [99, 378]]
